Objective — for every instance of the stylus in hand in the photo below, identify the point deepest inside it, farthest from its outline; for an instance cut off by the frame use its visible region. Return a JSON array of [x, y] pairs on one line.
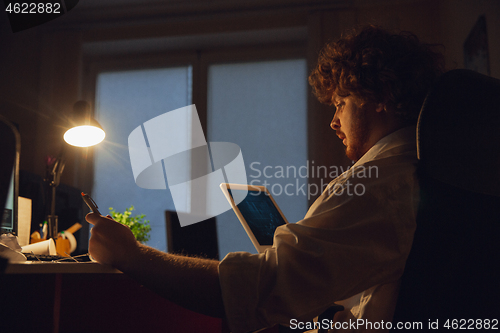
[[91, 203]]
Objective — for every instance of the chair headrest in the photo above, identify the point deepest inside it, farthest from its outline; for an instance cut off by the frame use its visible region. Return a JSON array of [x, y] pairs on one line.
[[458, 132]]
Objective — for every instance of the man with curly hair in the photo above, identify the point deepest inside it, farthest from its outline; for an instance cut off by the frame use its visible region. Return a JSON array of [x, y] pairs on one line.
[[375, 70], [351, 247]]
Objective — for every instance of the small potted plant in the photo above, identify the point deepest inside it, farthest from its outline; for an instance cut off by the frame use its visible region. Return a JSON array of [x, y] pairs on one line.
[[139, 227]]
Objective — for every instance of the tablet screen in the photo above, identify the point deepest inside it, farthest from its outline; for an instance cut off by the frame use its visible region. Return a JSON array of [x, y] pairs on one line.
[[261, 215]]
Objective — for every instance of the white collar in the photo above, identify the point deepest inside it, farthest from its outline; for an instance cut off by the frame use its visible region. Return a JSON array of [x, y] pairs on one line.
[[403, 136]]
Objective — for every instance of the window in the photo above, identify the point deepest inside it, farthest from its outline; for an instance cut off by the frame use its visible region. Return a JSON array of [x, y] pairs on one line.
[[125, 100], [259, 105]]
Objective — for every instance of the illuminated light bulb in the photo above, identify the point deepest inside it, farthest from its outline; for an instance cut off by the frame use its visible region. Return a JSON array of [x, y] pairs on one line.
[[84, 136]]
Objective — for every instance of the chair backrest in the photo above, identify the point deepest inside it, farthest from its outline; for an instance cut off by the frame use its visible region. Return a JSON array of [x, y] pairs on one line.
[[452, 271]]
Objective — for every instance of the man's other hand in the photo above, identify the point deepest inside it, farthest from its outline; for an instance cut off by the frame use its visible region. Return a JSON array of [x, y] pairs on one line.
[[111, 242]]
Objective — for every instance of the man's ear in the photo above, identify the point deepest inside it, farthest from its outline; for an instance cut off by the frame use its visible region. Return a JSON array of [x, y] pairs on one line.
[[379, 107]]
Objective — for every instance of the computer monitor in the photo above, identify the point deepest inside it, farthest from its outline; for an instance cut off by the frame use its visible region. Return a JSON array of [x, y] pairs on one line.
[[9, 175], [9, 218]]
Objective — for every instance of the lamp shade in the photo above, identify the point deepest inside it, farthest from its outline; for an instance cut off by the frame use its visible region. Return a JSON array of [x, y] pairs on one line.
[[84, 130]]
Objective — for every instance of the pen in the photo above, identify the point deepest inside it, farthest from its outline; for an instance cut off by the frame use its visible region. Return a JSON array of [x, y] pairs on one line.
[[91, 203], [45, 230]]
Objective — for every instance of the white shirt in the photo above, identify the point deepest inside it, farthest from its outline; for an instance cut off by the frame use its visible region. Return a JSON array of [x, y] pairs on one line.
[[350, 249]]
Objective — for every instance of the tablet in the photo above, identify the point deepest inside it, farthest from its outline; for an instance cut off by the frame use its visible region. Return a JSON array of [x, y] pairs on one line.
[[258, 213]]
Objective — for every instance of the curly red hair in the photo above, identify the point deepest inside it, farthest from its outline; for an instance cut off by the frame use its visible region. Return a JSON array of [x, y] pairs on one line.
[[377, 66]]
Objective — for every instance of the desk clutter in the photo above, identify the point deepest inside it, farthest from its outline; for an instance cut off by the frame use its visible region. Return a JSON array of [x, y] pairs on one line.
[[63, 245], [43, 250], [38, 246]]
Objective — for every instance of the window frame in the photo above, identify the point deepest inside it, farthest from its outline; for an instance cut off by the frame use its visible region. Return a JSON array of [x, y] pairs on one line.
[[200, 60]]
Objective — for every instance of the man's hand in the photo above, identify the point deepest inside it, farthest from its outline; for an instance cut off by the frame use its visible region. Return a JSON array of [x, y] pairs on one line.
[[111, 242]]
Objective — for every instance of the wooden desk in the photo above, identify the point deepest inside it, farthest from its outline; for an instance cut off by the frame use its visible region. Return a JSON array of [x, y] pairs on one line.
[[90, 298]]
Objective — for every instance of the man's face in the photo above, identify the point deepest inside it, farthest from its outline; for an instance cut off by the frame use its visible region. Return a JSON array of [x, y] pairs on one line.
[[351, 124]]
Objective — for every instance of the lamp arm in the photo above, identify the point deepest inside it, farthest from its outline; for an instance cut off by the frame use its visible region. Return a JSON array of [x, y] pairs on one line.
[[55, 173], [57, 170]]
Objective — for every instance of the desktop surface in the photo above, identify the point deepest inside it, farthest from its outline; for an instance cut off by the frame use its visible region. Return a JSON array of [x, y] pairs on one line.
[[44, 267]]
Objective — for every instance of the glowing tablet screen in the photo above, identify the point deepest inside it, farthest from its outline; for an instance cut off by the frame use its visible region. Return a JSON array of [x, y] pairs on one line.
[[261, 215]]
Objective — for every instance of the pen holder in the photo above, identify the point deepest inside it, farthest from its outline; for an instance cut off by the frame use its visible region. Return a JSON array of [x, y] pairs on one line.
[[36, 240]]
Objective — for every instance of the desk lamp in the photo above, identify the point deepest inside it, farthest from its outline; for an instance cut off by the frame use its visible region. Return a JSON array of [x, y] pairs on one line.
[[84, 131]]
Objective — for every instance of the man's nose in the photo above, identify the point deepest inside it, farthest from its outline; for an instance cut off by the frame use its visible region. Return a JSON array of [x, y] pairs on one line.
[[335, 124]]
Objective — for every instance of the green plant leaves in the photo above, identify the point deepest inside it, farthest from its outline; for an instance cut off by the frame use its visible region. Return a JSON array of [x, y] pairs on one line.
[[137, 224]]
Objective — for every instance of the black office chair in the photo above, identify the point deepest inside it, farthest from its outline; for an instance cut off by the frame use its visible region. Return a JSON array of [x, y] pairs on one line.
[[452, 271]]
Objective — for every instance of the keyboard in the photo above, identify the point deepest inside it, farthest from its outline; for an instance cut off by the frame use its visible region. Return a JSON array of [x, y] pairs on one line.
[[48, 257]]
